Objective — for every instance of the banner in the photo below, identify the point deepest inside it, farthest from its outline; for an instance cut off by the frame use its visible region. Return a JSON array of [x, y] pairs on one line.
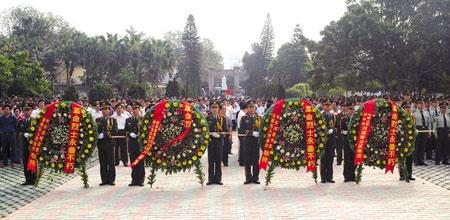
[[364, 131], [310, 132], [38, 137], [270, 139], [392, 140], [74, 134]]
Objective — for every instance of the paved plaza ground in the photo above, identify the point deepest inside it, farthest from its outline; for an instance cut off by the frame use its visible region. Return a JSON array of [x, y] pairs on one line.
[[292, 195]]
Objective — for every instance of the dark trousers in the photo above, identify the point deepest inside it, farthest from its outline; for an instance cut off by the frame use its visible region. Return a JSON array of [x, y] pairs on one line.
[[442, 150], [349, 160], [234, 124], [8, 147], [215, 151], [121, 149], [339, 148], [251, 158], [421, 142], [30, 177], [430, 147], [326, 162], [241, 150], [226, 149], [408, 167], [106, 158], [138, 171]]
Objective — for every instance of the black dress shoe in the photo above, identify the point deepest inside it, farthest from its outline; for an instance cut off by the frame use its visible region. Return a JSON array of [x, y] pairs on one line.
[[349, 180], [331, 181], [219, 183], [323, 181], [26, 184], [402, 178], [256, 182], [446, 163], [226, 165], [209, 183], [241, 164], [247, 182], [437, 163], [132, 184], [411, 178], [140, 184], [112, 184], [102, 184]]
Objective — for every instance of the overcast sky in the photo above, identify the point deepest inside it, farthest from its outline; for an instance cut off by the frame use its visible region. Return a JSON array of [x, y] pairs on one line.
[[233, 25]]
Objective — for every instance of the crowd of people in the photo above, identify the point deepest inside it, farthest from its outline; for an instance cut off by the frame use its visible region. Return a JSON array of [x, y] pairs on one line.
[[225, 116]]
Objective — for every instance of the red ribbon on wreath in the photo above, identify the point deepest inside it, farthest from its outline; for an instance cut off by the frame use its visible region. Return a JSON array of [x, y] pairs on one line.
[[273, 128], [158, 114], [310, 132], [74, 134], [38, 137], [364, 131], [392, 140]]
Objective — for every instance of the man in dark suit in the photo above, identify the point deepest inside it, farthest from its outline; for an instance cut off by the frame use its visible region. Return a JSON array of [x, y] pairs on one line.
[[132, 131], [23, 126], [107, 127], [249, 126]]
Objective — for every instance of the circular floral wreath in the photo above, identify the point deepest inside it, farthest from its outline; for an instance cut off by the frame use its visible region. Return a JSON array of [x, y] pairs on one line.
[[53, 150], [289, 149], [181, 155], [376, 149]]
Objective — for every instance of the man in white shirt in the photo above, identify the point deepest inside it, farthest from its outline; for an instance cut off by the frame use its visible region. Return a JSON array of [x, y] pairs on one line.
[[242, 113], [95, 112], [41, 107], [423, 123], [261, 108], [120, 143]]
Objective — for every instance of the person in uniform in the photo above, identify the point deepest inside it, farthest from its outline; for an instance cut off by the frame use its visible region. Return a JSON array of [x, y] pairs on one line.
[[107, 127], [326, 162], [433, 111], [132, 132], [407, 106], [249, 127], [23, 126], [339, 136], [217, 125], [349, 155], [422, 124], [442, 129]]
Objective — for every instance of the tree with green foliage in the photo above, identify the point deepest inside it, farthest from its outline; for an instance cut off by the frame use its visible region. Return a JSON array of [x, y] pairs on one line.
[[299, 90], [137, 91], [172, 89], [191, 59], [100, 92], [70, 94], [292, 62]]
